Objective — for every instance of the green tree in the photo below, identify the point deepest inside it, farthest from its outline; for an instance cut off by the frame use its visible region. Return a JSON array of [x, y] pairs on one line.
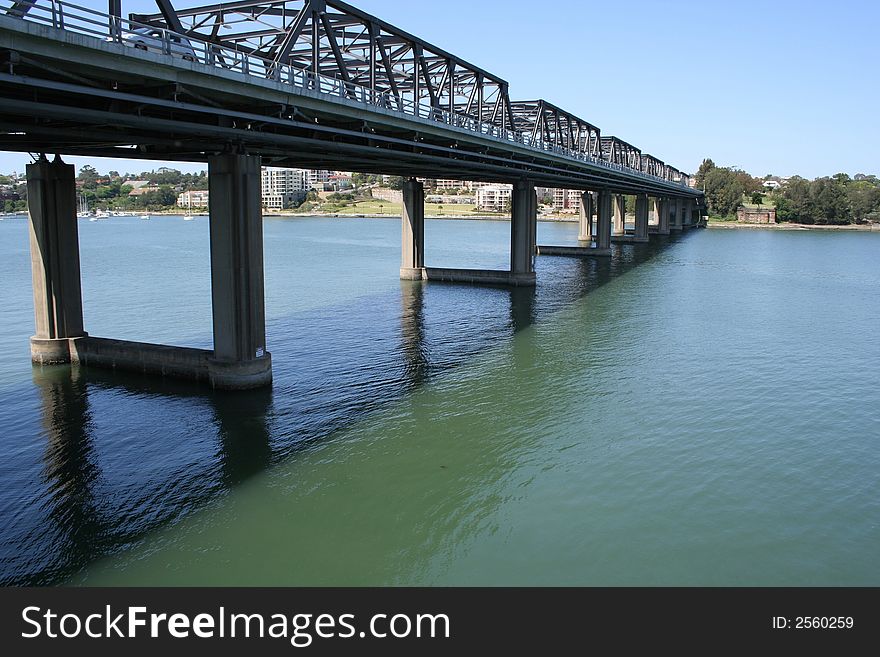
[[704, 169], [757, 198], [864, 199], [830, 202], [396, 182], [88, 176], [724, 191], [795, 202], [749, 183]]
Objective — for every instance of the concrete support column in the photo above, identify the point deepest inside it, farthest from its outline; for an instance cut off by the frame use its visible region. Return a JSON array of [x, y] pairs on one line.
[[412, 260], [585, 224], [523, 229], [641, 218], [688, 219], [54, 241], [679, 213], [619, 214], [663, 215], [603, 220], [240, 359]]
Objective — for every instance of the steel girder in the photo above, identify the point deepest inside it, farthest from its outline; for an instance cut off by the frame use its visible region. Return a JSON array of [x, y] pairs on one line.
[[544, 121], [652, 166], [617, 151], [334, 39], [330, 38], [672, 174]]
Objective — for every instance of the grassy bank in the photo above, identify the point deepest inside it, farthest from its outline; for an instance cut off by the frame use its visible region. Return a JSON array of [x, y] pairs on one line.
[[720, 223]]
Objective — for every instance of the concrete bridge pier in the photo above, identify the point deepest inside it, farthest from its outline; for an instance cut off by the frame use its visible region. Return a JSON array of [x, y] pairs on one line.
[[523, 233], [619, 215], [585, 222], [641, 234], [679, 214], [661, 210], [585, 234], [240, 359], [412, 260], [689, 207], [54, 244], [603, 221]]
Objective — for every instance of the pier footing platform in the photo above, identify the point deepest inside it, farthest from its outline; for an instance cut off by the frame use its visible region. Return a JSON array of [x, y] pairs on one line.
[[154, 359], [574, 251]]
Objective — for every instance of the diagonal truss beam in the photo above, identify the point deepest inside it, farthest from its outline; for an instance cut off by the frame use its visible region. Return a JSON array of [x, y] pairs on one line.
[[331, 38]]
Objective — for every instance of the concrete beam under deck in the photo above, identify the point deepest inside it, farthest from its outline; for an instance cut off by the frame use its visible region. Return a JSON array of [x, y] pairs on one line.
[[574, 251]]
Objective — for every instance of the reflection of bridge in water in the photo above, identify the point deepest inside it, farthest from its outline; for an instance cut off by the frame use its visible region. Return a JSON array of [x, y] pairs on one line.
[[102, 487], [309, 83]]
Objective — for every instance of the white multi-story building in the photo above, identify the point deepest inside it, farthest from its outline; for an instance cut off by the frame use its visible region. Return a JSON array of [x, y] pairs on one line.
[[316, 178], [282, 181], [195, 198], [478, 185], [494, 198], [282, 188], [443, 184]]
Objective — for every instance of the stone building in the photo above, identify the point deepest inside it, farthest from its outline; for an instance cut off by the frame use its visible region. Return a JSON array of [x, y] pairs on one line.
[[753, 215]]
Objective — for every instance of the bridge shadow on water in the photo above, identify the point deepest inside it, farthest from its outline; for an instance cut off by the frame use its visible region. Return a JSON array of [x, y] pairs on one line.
[[126, 455]]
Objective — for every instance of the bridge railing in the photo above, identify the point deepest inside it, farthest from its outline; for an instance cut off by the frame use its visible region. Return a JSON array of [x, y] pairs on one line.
[[64, 15]]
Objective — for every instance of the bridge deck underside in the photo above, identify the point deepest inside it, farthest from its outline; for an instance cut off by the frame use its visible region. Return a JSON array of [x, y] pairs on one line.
[[85, 97]]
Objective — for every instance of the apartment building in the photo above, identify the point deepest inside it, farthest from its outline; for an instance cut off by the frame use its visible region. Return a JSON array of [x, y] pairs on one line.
[[195, 198], [282, 188], [494, 198]]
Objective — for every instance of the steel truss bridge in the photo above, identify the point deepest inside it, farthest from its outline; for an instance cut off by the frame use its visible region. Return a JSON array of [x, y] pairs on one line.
[[303, 83]]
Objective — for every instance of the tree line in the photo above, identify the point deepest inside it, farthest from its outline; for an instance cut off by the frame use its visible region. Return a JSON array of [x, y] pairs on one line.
[[111, 191], [837, 199]]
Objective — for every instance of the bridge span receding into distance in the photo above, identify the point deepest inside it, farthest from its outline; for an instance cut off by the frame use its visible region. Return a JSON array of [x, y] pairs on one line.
[[301, 83]]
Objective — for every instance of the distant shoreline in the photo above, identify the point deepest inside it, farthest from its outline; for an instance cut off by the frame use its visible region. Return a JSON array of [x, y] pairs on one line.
[[331, 215], [789, 226], [367, 215]]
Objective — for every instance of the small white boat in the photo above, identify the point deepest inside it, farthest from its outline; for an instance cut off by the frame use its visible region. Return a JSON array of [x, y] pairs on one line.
[[145, 217], [93, 218], [188, 217]]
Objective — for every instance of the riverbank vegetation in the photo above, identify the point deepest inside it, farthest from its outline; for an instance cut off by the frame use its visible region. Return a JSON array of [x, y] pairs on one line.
[[834, 200], [829, 200]]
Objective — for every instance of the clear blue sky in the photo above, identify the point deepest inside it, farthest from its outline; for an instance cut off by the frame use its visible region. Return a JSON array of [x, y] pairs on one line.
[[780, 87]]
